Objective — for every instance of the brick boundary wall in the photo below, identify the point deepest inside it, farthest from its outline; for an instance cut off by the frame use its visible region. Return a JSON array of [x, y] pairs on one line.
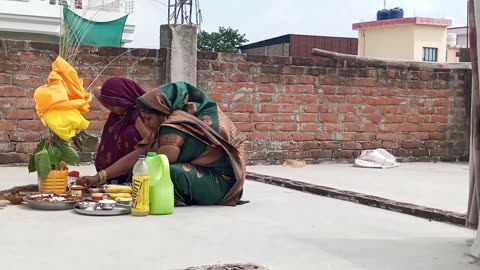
[[323, 109], [313, 109]]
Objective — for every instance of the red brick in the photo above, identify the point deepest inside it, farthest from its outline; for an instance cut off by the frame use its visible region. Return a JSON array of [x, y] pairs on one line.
[[407, 110], [365, 136], [408, 127], [389, 109], [347, 109], [219, 77], [426, 110], [291, 108], [240, 117], [303, 136], [287, 79], [7, 125], [438, 119], [389, 127], [334, 126], [408, 92], [221, 86], [369, 127], [356, 99], [323, 136], [352, 127], [459, 103], [390, 145], [285, 98], [289, 70], [216, 96], [395, 119], [311, 127], [440, 102], [368, 92], [24, 80], [309, 89], [12, 91], [242, 86], [353, 118], [267, 88], [388, 92], [294, 89], [237, 97], [96, 125], [306, 117], [427, 127], [265, 126], [8, 147], [28, 57], [346, 90], [31, 125], [415, 119], [245, 127], [18, 114], [239, 78], [288, 127], [258, 136], [315, 108], [5, 79], [445, 93], [307, 80], [335, 99], [330, 81], [282, 136], [386, 136], [438, 136], [263, 78], [427, 93], [245, 107], [375, 118], [351, 146], [367, 109], [371, 145], [395, 101], [327, 90], [422, 135], [443, 111], [91, 115], [260, 117], [283, 117], [328, 118], [269, 108], [307, 99]]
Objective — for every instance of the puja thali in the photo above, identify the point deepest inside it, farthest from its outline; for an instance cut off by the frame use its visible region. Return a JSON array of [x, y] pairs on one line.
[[51, 201]]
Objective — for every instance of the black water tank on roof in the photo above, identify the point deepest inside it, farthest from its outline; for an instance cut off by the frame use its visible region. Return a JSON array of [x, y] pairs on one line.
[[383, 14]]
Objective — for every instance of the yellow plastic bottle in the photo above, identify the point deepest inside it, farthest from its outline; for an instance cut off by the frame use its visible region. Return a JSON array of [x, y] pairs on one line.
[[141, 188]]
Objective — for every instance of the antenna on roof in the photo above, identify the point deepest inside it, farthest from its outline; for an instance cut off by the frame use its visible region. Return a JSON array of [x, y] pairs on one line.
[[384, 4]]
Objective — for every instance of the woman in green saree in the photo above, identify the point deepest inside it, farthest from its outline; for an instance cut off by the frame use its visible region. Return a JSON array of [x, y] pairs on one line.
[[204, 148]]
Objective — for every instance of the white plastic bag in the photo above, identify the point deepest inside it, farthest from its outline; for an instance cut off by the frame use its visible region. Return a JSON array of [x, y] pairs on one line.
[[377, 158]]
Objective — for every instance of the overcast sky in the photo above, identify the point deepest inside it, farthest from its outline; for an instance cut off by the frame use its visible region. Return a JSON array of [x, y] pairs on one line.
[[263, 19]]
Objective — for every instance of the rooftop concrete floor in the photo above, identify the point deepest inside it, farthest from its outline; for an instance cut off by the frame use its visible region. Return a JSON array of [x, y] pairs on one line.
[[437, 185], [279, 229]]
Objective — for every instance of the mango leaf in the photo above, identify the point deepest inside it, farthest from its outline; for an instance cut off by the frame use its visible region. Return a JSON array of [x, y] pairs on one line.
[[31, 162], [42, 163], [68, 154], [55, 154]]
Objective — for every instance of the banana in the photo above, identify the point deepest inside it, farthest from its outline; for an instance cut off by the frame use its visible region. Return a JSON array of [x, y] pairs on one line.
[[119, 195], [118, 189]]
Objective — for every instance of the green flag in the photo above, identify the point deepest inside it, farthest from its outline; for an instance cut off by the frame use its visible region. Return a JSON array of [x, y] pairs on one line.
[[83, 31]]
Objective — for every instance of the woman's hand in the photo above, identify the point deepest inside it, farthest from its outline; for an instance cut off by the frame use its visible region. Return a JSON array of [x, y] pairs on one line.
[[88, 180]]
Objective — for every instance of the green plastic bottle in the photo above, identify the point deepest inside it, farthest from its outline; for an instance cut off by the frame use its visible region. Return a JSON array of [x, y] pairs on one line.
[[162, 199]]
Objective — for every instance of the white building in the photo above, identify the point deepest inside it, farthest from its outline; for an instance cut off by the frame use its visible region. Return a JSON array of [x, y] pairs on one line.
[[456, 40], [40, 20]]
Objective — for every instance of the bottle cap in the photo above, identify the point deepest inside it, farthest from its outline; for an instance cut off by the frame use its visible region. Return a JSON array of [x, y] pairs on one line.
[[141, 156], [151, 154]]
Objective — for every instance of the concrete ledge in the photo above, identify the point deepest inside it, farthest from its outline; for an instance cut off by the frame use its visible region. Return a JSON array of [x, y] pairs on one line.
[[373, 201]]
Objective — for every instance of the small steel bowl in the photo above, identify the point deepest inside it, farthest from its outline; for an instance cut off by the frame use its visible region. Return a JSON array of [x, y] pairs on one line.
[[106, 204]]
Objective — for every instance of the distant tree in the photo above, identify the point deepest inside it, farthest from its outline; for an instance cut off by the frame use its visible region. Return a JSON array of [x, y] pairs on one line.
[[225, 40]]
